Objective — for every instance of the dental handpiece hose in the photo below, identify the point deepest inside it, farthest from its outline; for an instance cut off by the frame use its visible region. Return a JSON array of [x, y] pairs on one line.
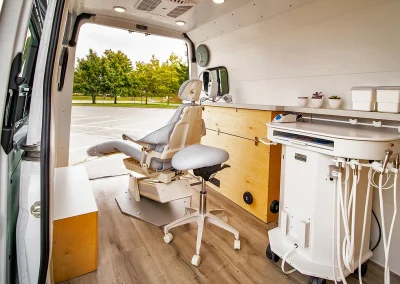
[[364, 226], [387, 241]]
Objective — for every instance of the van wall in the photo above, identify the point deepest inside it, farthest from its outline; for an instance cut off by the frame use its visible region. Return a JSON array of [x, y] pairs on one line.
[[276, 51]]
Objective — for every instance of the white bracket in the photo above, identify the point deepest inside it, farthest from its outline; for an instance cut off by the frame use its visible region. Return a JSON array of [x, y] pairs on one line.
[[353, 121], [377, 123]]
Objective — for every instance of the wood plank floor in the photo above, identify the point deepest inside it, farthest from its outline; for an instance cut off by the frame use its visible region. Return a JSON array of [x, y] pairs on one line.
[[132, 251]]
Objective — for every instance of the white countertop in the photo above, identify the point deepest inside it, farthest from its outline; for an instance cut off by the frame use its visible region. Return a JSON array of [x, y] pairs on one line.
[[323, 111], [73, 194], [352, 132]]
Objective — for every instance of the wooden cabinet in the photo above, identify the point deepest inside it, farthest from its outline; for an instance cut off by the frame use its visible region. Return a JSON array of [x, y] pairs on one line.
[[255, 167], [75, 231]]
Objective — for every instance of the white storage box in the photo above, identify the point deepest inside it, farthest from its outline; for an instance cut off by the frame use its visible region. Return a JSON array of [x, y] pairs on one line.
[[364, 98], [389, 107], [363, 106], [388, 94]]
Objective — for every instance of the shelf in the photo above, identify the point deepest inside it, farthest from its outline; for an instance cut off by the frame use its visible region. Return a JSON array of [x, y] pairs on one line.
[[323, 111], [346, 113]]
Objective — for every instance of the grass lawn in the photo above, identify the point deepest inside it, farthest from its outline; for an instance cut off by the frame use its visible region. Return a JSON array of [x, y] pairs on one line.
[[136, 105], [100, 99]]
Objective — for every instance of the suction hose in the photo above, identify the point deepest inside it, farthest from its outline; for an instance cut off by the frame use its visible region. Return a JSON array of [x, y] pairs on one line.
[[364, 225]]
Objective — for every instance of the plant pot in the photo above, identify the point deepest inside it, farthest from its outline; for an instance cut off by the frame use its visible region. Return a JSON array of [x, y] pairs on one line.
[[302, 101], [317, 103], [335, 103]]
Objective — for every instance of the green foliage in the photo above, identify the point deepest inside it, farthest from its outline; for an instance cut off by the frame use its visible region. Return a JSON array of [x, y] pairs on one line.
[[89, 75], [27, 42], [113, 75], [117, 74]]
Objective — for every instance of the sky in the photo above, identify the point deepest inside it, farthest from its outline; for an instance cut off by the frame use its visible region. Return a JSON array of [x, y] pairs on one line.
[[136, 46]]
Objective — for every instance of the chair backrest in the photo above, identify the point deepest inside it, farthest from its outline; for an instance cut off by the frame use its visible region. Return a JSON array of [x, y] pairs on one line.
[[189, 126], [187, 131]]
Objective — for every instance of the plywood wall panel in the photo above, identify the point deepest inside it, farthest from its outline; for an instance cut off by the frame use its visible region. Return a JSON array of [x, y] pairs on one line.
[[240, 122], [249, 171]]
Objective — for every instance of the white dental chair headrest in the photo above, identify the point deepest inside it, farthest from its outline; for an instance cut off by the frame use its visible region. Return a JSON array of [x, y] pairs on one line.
[[190, 90]]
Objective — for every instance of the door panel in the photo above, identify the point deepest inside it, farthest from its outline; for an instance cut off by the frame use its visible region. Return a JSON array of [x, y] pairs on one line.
[[22, 181]]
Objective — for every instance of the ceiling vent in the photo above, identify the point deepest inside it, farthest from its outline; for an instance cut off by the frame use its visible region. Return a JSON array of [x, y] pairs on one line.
[[148, 5], [171, 8], [180, 2], [178, 11]]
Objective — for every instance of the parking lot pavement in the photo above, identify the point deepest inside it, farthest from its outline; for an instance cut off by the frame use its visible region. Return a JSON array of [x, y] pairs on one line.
[[94, 125]]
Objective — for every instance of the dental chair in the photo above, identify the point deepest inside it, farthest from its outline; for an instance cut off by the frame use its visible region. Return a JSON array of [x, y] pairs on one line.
[[158, 193], [205, 162]]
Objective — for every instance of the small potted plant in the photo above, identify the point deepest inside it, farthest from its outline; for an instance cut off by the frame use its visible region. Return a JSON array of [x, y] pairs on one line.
[[302, 101], [335, 102], [317, 99]]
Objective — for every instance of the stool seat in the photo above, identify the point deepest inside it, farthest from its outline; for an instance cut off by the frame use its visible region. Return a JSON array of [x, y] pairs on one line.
[[198, 156]]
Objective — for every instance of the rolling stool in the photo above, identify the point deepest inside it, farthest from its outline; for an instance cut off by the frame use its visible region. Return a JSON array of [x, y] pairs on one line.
[[205, 162]]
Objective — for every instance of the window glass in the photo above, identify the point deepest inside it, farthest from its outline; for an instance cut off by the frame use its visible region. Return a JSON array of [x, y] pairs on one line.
[[26, 48]]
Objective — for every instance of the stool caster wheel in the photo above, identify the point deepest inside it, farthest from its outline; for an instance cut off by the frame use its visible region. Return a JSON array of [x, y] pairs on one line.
[[364, 269], [271, 255], [168, 238], [236, 245], [225, 219], [316, 280], [196, 259]]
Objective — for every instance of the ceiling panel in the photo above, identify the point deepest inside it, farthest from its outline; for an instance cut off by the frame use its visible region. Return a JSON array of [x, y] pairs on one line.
[[201, 13]]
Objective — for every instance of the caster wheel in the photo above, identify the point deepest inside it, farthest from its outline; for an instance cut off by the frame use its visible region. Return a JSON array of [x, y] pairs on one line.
[[364, 269], [316, 280], [196, 259], [271, 255], [236, 245], [225, 219], [168, 238]]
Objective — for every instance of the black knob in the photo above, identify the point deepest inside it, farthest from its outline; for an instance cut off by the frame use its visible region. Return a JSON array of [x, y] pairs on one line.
[[248, 198], [274, 207]]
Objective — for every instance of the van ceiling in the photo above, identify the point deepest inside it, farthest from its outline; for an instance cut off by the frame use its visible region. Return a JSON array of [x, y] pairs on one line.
[[164, 13]]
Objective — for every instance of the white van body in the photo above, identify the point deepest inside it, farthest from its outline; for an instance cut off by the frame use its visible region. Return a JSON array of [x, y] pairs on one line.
[[274, 51]]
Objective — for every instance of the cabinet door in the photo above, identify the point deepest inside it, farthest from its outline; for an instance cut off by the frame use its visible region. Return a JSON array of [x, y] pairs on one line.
[[249, 171], [254, 168]]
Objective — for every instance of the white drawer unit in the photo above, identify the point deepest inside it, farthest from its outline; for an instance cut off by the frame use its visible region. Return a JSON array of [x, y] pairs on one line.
[[356, 142]]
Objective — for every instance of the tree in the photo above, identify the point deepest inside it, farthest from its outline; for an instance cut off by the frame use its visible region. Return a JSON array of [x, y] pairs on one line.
[[148, 78], [118, 77], [113, 74], [89, 75], [174, 72]]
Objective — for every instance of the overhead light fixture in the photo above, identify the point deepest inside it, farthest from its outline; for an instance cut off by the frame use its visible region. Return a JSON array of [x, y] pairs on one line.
[[119, 9], [180, 23], [218, 1]]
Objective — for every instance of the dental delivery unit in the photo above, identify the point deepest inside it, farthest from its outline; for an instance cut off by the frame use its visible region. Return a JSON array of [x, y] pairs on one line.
[[329, 175]]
